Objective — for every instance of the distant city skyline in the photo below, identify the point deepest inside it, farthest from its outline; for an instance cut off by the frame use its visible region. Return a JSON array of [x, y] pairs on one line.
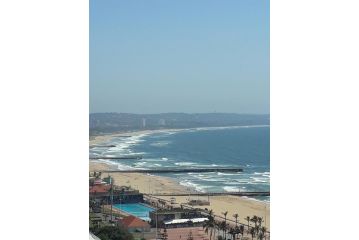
[[179, 56]]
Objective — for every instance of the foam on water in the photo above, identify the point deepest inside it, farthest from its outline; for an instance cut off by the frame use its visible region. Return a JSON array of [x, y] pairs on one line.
[[237, 182], [226, 174], [124, 167], [160, 143], [185, 163], [210, 179], [140, 164], [231, 189], [197, 187], [260, 180], [155, 160]]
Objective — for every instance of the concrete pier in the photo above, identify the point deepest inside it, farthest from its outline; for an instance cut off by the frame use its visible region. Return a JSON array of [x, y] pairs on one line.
[[117, 158], [176, 170], [248, 194]]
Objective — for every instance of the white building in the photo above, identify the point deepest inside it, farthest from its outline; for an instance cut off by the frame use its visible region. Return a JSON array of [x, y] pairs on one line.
[[144, 122]]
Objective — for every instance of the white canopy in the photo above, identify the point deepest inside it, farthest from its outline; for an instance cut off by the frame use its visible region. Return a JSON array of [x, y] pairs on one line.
[[194, 220]]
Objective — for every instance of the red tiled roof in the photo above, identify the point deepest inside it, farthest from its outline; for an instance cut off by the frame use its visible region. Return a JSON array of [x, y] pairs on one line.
[[100, 188], [133, 222]]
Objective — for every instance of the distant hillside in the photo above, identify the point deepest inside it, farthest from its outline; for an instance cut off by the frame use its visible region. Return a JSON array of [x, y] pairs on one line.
[[112, 122]]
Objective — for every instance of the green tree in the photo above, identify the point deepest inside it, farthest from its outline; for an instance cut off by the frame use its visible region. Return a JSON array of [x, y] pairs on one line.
[[112, 233]]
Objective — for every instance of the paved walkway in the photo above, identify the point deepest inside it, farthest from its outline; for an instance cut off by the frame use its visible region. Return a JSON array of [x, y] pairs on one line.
[[182, 233]]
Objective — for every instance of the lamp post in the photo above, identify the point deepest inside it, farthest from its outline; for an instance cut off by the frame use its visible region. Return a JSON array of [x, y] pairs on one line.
[[111, 195], [156, 225]]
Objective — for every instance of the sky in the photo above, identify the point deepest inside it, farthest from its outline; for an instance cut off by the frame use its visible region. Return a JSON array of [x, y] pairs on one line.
[[157, 56]]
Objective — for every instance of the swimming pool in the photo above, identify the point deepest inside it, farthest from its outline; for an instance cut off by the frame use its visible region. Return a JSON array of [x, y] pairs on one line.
[[136, 209]]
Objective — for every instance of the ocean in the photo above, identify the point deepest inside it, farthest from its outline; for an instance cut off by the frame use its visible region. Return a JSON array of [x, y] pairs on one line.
[[246, 147]]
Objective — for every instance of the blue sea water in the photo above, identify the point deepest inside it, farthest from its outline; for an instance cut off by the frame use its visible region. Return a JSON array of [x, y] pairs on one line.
[[246, 147]]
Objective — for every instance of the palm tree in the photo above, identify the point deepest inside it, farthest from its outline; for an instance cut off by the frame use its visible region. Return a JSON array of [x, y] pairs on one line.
[[209, 225], [260, 236], [257, 229], [225, 215], [254, 219], [223, 227], [264, 230], [236, 217], [253, 232], [248, 219], [232, 232], [260, 220], [217, 228], [225, 222], [210, 213], [237, 230], [241, 230]]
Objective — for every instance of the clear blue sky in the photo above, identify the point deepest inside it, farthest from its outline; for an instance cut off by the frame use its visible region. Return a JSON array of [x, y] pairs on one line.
[[153, 56]]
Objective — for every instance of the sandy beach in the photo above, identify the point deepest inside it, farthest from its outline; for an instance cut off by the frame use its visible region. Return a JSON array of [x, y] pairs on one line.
[[101, 139], [146, 183]]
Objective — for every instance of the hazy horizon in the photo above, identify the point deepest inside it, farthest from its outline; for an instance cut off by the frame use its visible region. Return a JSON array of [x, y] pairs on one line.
[[179, 56], [139, 113]]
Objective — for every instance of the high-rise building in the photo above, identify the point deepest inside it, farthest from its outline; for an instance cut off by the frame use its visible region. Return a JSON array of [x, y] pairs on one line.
[[144, 122]]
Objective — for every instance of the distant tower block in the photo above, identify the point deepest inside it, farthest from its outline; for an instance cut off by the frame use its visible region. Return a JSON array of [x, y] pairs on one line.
[[144, 122]]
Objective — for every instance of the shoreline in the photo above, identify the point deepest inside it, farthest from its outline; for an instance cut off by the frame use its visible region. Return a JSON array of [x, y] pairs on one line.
[[99, 139], [148, 184]]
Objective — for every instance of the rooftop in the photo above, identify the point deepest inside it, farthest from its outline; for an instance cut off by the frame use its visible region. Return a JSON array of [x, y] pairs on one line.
[[100, 188], [134, 222]]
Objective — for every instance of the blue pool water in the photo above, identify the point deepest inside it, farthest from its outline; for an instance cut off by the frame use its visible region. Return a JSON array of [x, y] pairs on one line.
[[136, 209]]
